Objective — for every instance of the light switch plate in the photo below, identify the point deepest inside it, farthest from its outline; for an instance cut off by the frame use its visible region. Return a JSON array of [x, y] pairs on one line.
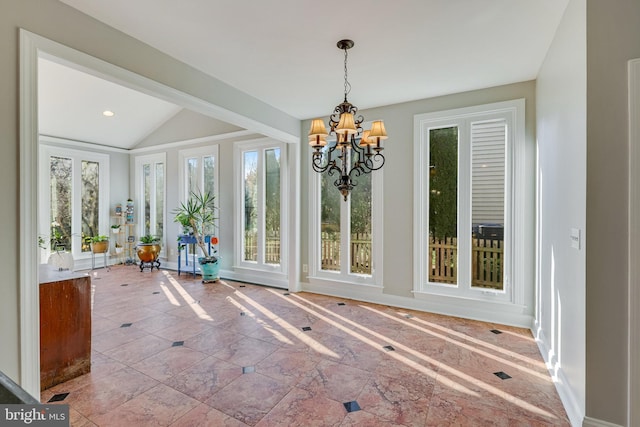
[[575, 238]]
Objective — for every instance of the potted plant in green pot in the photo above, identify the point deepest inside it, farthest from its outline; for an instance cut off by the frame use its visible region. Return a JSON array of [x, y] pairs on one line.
[[199, 212], [148, 250]]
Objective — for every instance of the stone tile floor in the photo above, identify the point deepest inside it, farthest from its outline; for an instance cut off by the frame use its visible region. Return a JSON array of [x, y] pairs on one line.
[[171, 351]]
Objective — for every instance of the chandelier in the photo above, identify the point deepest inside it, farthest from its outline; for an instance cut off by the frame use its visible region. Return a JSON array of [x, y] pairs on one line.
[[354, 152]]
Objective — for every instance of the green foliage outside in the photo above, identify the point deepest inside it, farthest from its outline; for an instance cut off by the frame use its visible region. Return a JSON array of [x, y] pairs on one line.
[[443, 182], [332, 201]]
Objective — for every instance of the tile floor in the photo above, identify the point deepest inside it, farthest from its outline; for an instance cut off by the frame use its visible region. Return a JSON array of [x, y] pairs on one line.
[[171, 351]]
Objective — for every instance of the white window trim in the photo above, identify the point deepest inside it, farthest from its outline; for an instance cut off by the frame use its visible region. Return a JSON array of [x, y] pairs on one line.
[[514, 113], [77, 156], [140, 161], [274, 271], [317, 276]]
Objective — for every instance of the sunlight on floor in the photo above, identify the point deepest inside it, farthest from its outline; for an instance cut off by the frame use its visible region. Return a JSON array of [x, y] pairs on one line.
[[461, 375], [191, 302], [315, 345], [479, 342], [463, 345], [376, 345], [169, 295], [276, 334]]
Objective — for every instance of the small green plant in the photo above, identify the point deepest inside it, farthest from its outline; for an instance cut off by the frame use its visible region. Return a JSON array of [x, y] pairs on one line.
[[99, 238], [115, 226], [118, 245], [149, 239]]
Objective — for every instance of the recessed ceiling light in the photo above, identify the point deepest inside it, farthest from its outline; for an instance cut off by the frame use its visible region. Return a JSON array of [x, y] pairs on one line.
[[108, 113]]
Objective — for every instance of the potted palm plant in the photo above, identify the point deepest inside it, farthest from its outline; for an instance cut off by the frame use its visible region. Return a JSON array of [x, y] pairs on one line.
[[199, 212]]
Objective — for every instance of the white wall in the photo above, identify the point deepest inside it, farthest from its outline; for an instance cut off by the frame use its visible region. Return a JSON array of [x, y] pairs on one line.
[[562, 145]]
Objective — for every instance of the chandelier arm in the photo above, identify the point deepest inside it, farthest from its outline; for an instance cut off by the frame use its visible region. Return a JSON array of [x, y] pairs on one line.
[[319, 158], [333, 169], [363, 160], [357, 171], [375, 161]]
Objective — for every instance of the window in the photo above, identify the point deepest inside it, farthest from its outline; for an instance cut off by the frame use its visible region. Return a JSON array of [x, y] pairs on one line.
[[261, 205], [346, 234], [150, 190], [74, 190], [466, 200], [198, 171]]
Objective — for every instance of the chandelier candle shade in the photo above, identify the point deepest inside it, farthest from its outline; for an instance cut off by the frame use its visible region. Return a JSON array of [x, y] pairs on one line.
[[354, 152]]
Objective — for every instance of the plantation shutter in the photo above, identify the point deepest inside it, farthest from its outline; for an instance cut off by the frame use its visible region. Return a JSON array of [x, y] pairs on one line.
[[488, 142]]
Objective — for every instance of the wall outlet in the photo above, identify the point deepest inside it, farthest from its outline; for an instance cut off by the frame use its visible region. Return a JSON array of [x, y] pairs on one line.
[[305, 268]]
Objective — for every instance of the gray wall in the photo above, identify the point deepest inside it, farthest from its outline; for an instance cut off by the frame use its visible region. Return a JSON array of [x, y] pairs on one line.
[[398, 178], [185, 125], [56, 21], [562, 148], [613, 37]]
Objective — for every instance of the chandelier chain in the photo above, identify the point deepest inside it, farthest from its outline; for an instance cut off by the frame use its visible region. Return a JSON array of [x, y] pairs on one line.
[[347, 85]]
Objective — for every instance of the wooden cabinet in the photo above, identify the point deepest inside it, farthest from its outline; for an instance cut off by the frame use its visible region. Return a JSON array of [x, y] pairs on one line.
[[65, 325]]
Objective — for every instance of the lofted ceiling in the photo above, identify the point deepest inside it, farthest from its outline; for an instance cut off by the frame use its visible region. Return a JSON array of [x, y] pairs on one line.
[[71, 105], [284, 52]]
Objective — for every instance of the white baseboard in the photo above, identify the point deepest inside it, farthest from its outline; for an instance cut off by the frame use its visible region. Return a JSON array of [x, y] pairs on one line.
[[257, 277], [592, 422], [375, 294], [567, 396]]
